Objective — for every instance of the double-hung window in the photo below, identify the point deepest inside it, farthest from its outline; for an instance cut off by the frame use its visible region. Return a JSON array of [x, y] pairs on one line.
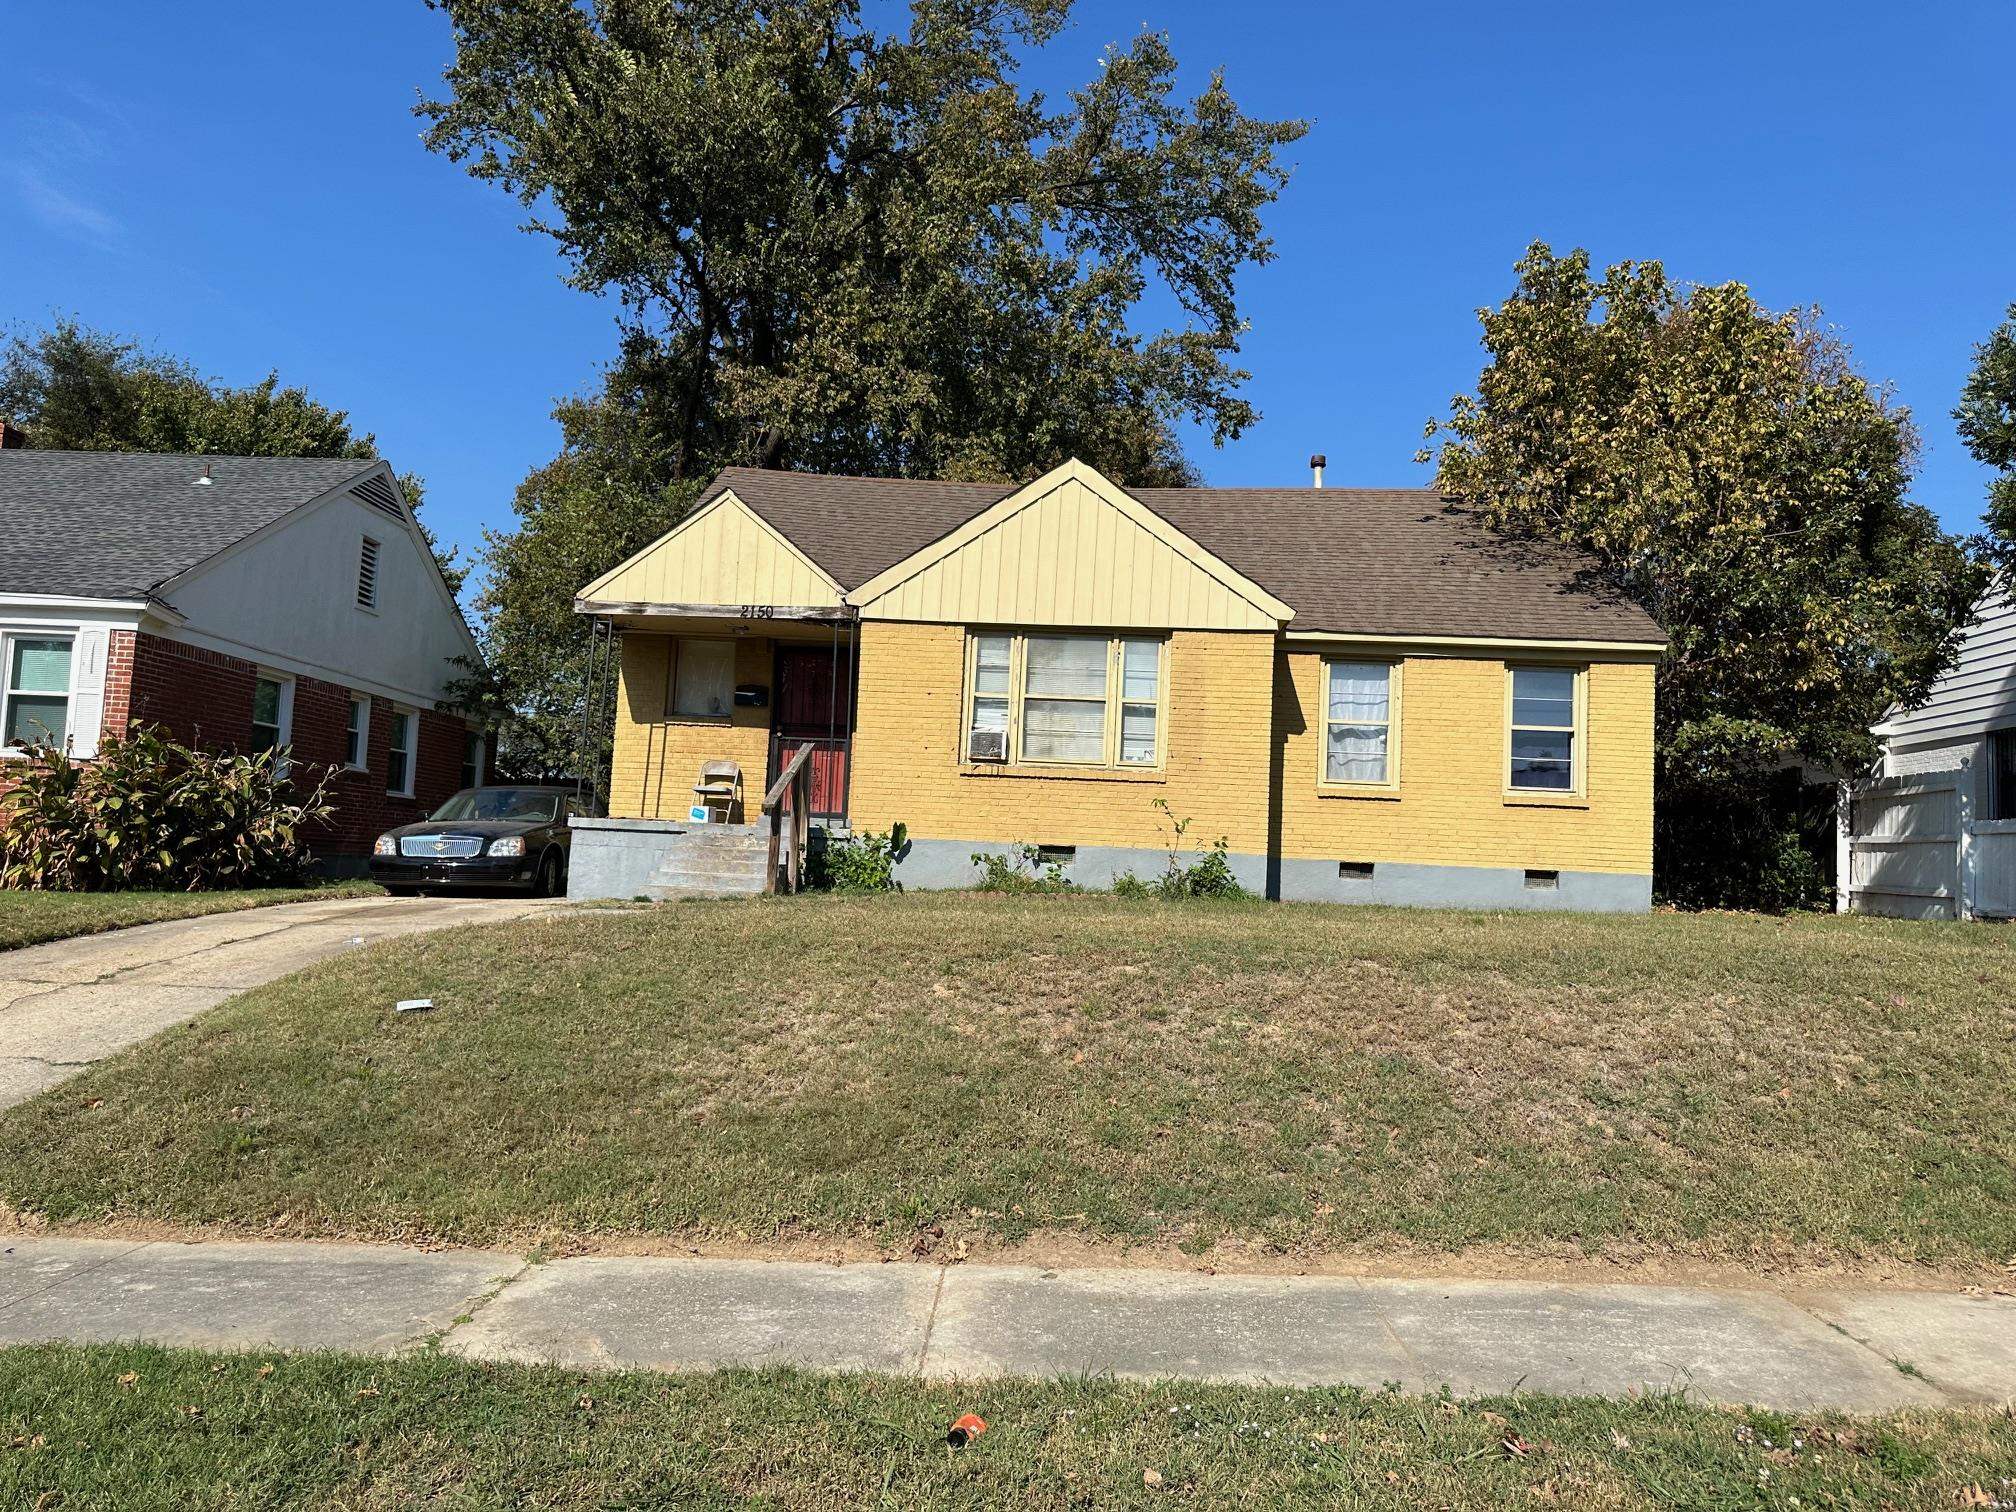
[[1065, 700], [272, 713], [399, 754], [36, 695], [357, 733], [1545, 744], [1359, 723], [472, 759]]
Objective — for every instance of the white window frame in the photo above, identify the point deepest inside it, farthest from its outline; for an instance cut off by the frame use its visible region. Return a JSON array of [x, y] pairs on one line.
[[1578, 735], [672, 709], [372, 546], [408, 721], [360, 705], [475, 768], [8, 692], [1391, 782], [1114, 698], [285, 729]]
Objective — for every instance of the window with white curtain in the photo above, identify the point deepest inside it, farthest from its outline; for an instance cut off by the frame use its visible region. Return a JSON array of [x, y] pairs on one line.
[[703, 678], [1070, 700], [1358, 723], [35, 700]]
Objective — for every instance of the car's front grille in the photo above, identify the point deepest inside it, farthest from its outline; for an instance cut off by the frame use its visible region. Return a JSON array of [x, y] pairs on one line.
[[440, 845]]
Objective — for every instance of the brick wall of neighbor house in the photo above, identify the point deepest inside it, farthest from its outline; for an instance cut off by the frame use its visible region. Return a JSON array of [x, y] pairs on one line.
[[907, 751], [1450, 807], [204, 697]]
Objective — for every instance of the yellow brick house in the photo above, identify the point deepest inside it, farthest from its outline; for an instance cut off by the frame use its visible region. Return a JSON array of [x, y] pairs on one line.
[[1370, 697]]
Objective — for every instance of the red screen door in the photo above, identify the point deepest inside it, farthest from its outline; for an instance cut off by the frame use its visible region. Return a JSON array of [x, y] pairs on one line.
[[815, 707]]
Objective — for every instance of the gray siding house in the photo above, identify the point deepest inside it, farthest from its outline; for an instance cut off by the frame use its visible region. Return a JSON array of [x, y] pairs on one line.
[[1933, 836]]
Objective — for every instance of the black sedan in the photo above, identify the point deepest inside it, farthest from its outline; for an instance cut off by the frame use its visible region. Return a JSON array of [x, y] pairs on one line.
[[495, 838]]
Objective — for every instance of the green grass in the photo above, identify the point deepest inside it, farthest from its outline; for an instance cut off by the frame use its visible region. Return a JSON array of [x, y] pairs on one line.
[[137, 1427], [29, 918], [1301, 1079]]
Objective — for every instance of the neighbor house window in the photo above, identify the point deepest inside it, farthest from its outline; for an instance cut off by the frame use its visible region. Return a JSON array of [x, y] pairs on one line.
[[357, 733], [1545, 729], [1358, 723], [703, 678], [272, 713], [399, 754], [37, 689], [472, 760], [2002, 774], [367, 574], [1072, 700]]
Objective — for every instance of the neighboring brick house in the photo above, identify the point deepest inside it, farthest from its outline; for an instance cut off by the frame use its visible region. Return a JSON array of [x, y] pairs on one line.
[[1365, 693], [240, 603]]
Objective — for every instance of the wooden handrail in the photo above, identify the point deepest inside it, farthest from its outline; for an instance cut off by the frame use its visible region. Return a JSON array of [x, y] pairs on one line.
[[795, 779], [776, 794]]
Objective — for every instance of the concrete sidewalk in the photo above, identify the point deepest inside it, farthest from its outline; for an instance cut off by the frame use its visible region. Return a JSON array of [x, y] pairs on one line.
[[68, 1003], [1860, 1351]]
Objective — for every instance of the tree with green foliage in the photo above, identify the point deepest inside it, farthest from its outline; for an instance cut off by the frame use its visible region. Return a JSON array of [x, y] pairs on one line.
[[1726, 468], [71, 388], [1987, 422], [849, 249]]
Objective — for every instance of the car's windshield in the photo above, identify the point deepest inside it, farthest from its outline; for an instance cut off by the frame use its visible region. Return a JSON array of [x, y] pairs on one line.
[[527, 805]]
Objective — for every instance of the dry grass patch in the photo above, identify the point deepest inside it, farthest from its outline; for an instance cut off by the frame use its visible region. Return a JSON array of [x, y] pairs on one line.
[[1299, 1079]]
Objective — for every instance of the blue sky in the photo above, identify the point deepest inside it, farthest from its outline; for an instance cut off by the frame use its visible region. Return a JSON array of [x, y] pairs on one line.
[[243, 184]]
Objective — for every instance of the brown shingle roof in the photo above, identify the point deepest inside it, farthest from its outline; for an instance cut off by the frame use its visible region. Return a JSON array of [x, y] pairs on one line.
[[1362, 561]]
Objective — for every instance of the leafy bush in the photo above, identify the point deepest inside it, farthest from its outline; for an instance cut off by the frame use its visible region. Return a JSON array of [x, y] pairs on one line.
[[1022, 870], [862, 863], [1766, 844], [148, 812], [1210, 876]]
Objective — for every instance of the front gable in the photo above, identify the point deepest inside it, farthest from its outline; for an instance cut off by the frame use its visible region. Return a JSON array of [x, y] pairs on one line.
[[1071, 548], [723, 554]]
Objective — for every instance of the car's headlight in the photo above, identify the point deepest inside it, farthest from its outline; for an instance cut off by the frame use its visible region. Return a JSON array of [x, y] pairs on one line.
[[510, 845], [385, 845]]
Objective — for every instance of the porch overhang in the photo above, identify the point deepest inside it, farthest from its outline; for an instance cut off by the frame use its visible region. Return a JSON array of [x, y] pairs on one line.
[[638, 609]]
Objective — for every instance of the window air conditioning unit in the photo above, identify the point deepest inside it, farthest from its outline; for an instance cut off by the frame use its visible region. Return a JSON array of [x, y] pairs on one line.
[[987, 745]]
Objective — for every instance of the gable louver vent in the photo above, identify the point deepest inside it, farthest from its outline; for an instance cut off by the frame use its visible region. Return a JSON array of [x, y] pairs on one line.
[[376, 492], [367, 574]]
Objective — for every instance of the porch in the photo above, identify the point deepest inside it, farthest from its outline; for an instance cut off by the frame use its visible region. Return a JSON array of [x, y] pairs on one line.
[[701, 692]]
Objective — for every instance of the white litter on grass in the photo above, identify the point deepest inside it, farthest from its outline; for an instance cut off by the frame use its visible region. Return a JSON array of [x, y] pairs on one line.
[[412, 1005]]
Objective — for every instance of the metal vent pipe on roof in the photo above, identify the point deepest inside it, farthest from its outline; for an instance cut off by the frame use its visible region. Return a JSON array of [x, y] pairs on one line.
[[1316, 465], [205, 480]]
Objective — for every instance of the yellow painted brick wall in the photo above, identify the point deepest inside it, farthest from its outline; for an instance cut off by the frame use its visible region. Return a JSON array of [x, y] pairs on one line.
[[657, 759], [906, 751], [1451, 809]]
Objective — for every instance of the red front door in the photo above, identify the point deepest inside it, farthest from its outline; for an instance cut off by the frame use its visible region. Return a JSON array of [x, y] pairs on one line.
[[815, 707]]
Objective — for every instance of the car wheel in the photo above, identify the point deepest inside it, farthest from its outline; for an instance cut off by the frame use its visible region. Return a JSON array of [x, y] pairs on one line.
[[549, 875]]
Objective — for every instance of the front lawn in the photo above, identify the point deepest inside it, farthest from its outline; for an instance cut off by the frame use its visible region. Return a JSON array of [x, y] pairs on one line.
[[29, 918], [910, 1072], [131, 1426]]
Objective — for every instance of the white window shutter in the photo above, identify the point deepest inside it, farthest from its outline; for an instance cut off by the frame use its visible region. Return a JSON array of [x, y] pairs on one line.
[[87, 692]]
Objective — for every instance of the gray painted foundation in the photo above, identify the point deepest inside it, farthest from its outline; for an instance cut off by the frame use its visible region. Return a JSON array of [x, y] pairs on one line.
[[927, 864], [618, 858], [615, 858]]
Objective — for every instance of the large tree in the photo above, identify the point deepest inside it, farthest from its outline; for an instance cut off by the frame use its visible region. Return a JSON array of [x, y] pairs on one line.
[[1987, 421], [71, 388], [1728, 469], [852, 249]]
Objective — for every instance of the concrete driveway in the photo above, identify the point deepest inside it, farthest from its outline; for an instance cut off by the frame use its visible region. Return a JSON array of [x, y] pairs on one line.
[[69, 1003]]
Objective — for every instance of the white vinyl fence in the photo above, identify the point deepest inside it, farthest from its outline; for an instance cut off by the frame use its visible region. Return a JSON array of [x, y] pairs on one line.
[[1910, 848]]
